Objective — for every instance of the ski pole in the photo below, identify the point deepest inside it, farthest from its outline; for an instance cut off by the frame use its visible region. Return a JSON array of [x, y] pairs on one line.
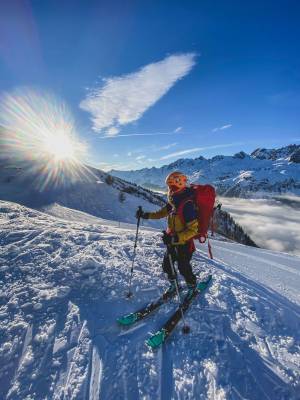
[[186, 328], [209, 249], [129, 294]]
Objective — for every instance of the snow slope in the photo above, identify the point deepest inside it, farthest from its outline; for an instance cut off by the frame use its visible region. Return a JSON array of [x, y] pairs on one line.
[[260, 174], [63, 285], [91, 193]]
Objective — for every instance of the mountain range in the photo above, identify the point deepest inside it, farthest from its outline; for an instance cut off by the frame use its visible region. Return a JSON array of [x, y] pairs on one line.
[[263, 173]]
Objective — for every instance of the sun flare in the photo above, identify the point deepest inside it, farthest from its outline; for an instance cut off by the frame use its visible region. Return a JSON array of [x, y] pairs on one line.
[[38, 127], [60, 148]]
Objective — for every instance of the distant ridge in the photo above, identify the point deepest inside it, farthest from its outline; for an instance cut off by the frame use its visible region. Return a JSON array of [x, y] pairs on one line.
[[263, 173], [99, 194]]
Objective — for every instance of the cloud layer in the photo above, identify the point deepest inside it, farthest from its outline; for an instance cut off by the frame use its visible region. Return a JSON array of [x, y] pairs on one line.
[[272, 224], [198, 149], [122, 100], [221, 128]]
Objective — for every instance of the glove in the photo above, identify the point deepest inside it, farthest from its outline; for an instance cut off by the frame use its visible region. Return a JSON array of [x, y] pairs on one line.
[[202, 239], [141, 214], [168, 239]]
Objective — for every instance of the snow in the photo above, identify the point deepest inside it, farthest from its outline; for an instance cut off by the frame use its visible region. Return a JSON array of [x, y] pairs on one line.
[[89, 195], [278, 271], [64, 282], [261, 174]]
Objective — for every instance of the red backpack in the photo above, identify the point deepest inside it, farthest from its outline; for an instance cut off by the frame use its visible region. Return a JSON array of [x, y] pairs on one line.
[[204, 199]]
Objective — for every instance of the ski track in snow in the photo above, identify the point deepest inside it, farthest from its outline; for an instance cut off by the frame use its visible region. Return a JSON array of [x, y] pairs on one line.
[[64, 285]]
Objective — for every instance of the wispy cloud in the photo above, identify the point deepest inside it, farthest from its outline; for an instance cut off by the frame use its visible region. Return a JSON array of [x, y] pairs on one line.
[[181, 153], [225, 127], [112, 131], [124, 99], [178, 129], [138, 134], [166, 147], [141, 157], [197, 149], [149, 149], [221, 128]]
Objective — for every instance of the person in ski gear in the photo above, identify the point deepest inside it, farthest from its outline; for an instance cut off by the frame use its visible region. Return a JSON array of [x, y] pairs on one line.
[[182, 223]]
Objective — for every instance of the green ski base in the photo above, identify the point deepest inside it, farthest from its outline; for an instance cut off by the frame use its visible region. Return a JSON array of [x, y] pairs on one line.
[[158, 338], [129, 319]]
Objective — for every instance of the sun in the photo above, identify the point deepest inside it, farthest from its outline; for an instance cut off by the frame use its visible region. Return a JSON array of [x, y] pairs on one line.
[[39, 128], [60, 147]]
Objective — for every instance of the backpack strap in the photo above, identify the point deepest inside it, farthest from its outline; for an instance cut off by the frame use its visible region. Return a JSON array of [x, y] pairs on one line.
[[180, 209]]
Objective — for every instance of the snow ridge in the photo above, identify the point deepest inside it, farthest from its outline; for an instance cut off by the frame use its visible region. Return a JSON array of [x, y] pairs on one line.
[[260, 174], [96, 193]]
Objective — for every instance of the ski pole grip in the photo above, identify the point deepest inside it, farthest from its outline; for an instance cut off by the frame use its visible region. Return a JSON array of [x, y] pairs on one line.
[[169, 247], [140, 211]]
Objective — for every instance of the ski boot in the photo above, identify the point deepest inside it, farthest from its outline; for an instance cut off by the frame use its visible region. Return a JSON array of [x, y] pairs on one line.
[[191, 289], [171, 289]]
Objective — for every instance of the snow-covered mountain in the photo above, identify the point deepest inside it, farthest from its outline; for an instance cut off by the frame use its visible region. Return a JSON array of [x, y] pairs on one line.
[[262, 173], [63, 286], [94, 192]]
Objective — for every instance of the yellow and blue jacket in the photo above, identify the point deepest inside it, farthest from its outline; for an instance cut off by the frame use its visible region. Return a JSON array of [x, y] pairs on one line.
[[181, 215]]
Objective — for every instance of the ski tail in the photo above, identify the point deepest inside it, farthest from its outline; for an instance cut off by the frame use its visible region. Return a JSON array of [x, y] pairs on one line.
[[128, 319]]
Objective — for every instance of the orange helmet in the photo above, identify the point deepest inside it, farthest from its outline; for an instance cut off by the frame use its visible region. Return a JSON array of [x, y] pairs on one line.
[[176, 181]]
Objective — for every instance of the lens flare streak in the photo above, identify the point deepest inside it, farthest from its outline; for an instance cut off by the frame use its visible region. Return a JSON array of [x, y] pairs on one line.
[[38, 129]]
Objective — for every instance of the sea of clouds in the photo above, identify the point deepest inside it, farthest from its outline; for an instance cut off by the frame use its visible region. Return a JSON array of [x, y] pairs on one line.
[[272, 223]]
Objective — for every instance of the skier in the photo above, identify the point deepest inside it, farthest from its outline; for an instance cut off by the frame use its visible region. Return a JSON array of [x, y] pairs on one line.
[[182, 227]]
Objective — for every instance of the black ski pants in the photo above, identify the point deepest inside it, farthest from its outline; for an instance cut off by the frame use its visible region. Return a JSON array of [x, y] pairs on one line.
[[183, 255]]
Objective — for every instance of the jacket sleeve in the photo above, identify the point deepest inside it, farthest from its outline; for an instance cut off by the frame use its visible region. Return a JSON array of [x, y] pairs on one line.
[[188, 233], [162, 213]]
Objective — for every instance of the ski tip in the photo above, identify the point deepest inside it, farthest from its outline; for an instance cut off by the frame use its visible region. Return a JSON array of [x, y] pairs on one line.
[[203, 285], [153, 346], [156, 340]]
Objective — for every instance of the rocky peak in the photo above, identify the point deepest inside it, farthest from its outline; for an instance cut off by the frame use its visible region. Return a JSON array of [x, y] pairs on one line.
[[275, 154], [295, 156], [241, 155]]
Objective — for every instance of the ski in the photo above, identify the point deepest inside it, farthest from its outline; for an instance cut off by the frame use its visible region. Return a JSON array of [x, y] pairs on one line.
[[158, 338], [136, 316]]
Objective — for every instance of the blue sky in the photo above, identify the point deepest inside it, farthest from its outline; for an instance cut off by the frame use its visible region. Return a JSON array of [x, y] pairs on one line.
[[149, 82]]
